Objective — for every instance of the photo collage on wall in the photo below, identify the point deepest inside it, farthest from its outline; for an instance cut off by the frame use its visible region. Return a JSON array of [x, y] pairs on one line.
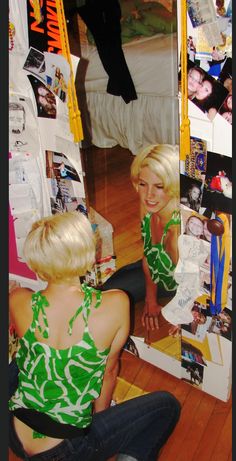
[[206, 194], [206, 209], [43, 177], [209, 48]]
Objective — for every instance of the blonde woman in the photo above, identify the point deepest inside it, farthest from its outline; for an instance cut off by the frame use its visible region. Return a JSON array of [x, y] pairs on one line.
[[70, 340], [155, 176]]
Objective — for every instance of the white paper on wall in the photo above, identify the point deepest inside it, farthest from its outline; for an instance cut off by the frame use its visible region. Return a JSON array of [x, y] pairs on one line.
[[23, 222], [23, 129], [21, 198], [18, 24], [71, 150], [57, 74], [23, 169]]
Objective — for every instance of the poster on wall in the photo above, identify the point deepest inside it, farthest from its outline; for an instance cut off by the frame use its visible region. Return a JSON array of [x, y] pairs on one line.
[[44, 35]]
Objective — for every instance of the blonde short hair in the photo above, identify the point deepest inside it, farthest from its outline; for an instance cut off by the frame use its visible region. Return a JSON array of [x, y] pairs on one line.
[[60, 247], [163, 160]]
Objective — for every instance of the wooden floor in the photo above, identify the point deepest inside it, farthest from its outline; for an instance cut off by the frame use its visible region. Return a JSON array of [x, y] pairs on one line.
[[111, 194]]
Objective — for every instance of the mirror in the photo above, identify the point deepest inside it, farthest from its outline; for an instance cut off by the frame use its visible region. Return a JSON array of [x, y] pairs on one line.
[[115, 129]]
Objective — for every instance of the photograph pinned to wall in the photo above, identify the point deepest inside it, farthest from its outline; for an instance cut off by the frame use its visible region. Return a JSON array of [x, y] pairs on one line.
[[217, 192], [195, 225], [201, 346], [23, 130], [221, 324], [44, 98], [65, 196], [223, 8], [71, 150], [226, 110], [210, 57], [57, 74], [192, 373], [194, 164], [35, 62], [190, 192], [229, 290], [195, 351], [225, 78], [198, 327], [201, 12], [58, 166], [204, 90], [191, 47]]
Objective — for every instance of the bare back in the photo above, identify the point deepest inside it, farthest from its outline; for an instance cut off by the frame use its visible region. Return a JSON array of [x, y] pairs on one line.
[[108, 326]]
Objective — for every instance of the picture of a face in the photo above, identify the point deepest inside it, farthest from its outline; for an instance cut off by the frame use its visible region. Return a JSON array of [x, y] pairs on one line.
[[227, 116], [194, 80], [195, 226], [229, 102], [151, 191], [195, 193], [42, 91], [204, 90]]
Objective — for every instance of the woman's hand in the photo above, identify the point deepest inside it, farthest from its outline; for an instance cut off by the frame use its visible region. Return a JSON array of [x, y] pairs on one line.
[[150, 315]]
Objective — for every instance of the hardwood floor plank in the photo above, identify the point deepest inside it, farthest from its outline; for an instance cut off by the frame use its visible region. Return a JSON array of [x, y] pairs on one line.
[[175, 445], [197, 427], [223, 447], [210, 438]]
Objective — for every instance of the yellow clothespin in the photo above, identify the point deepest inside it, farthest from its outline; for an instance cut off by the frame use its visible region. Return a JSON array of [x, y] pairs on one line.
[[185, 122], [72, 104]]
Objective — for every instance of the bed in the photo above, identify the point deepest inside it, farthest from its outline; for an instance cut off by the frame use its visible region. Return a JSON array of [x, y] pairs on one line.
[[149, 41]]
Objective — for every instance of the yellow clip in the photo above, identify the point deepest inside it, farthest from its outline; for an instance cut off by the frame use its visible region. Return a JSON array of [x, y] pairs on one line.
[[185, 122], [74, 112]]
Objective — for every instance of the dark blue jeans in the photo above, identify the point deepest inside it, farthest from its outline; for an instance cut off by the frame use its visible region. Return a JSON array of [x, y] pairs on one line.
[[138, 427], [131, 279]]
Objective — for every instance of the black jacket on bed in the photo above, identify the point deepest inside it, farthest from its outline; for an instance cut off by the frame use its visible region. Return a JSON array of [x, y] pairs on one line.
[[102, 17]]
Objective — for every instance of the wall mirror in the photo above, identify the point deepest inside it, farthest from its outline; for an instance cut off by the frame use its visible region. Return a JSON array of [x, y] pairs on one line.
[[116, 124]]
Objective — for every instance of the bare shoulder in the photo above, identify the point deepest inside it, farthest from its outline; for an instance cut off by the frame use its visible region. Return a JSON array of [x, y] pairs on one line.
[[118, 299], [20, 293], [18, 298], [117, 296]]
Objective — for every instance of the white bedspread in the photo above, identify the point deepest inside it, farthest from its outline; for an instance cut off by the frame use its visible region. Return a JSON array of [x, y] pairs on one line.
[[150, 119]]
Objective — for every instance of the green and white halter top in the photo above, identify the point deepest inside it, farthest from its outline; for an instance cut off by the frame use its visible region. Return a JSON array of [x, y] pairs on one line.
[[159, 262], [60, 382]]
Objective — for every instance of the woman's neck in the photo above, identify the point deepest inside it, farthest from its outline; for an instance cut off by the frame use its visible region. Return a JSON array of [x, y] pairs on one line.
[[166, 214], [63, 287]]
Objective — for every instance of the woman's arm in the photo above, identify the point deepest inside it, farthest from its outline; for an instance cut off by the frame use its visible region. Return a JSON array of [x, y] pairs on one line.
[[19, 310], [112, 366], [151, 308], [171, 243]]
